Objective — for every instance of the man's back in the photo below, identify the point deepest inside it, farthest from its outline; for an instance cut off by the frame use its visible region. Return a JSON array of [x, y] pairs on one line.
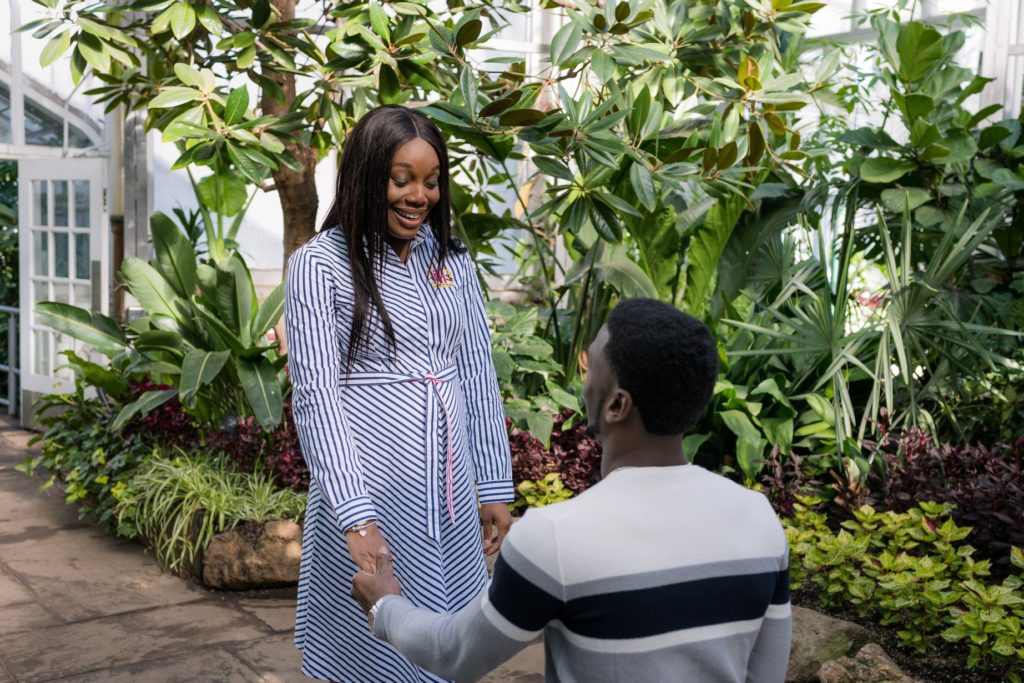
[[655, 574]]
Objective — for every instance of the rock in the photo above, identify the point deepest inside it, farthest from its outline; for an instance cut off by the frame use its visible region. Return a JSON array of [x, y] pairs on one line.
[[817, 639], [254, 556], [869, 665]]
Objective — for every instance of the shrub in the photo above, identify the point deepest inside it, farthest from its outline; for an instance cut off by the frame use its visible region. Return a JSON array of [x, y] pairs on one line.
[[179, 503], [573, 455], [534, 494], [910, 570], [83, 454], [984, 484]]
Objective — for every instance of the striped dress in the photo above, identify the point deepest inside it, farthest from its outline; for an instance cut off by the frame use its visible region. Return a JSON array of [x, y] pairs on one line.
[[414, 440]]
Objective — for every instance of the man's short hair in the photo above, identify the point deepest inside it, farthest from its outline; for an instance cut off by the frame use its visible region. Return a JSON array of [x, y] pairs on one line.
[[667, 361]]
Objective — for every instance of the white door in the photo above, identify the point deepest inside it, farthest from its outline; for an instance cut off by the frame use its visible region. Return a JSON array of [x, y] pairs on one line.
[[63, 257]]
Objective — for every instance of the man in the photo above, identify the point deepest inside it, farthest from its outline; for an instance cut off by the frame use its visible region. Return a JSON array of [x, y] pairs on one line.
[[661, 572]]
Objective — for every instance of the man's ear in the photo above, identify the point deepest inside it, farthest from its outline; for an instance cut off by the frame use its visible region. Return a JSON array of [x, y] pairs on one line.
[[619, 407]]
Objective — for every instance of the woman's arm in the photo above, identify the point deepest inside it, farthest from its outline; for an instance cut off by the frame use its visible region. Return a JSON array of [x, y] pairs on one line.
[[316, 368], [488, 437]]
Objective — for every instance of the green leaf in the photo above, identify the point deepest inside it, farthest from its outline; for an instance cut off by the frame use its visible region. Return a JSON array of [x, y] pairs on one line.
[[469, 32], [919, 47], [57, 46], [540, 425], [237, 105], [896, 199], [93, 328], [553, 167], [175, 256], [605, 222], [246, 57], [565, 42], [94, 51], [521, 117], [627, 278], [885, 169], [188, 75], [174, 96], [269, 312], [145, 403], [379, 21], [198, 369], [222, 193], [262, 389], [150, 288], [210, 20], [111, 382], [706, 247], [643, 185], [692, 444], [183, 19]]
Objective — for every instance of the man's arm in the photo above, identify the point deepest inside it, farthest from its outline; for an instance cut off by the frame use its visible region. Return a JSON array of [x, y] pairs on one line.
[[770, 656], [503, 619]]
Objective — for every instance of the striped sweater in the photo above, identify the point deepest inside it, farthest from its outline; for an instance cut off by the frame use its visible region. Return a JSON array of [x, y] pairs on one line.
[[655, 574]]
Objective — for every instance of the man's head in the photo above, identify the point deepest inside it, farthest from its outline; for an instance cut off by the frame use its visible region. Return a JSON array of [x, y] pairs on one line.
[[651, 365]]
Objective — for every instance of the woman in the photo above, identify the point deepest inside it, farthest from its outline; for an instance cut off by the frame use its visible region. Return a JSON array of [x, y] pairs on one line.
[[394, 397]]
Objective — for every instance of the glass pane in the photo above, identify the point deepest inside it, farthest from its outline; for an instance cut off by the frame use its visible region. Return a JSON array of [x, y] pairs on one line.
[[62, 343], [40, 210], [62, 292], [40, 252], [83, 296], [40, 292], [81, 203], [60, 254], [42, 127], [41, 348], [5, 114], [82, 257], [60, 202], [77, 138]]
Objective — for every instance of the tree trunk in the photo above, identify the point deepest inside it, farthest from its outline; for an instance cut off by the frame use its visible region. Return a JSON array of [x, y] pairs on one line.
[[296, 189]]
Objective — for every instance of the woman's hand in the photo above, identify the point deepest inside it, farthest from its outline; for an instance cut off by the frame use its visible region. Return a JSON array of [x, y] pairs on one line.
[[496, 521], [364, 549]]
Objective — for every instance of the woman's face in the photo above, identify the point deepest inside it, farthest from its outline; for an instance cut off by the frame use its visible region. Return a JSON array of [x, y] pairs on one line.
[[413, 188]]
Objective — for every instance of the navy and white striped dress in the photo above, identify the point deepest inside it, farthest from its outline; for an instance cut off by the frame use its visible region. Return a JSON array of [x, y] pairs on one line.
[[376, 439]]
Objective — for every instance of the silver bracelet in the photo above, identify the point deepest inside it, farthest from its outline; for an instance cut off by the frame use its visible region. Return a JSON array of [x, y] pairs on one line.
[[361, 527], [373, 611]]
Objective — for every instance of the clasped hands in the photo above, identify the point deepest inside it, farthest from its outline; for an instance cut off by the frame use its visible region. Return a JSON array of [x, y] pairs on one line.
[[372, 555]]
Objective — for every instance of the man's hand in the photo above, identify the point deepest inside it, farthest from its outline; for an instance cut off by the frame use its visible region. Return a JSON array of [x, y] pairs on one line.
[[364, 549], [496, 521], [368, 588]]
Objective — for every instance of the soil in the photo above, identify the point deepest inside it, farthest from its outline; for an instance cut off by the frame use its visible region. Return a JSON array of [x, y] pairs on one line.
[[944, 662]]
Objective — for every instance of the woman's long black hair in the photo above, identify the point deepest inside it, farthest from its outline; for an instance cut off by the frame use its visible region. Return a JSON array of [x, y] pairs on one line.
[[360, 207]]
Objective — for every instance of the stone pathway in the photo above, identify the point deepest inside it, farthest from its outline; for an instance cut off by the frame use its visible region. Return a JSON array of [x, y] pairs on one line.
[[76, 604]]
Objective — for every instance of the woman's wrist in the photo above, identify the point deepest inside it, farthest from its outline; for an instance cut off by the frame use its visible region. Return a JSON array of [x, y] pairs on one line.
[[361, 527]]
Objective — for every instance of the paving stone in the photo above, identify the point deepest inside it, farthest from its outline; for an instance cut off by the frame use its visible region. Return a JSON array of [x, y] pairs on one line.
[[526, 667], [84, 573], [275, 657], [277, 614], [121, 640], [12, 591], [27, 616], [211, 665]]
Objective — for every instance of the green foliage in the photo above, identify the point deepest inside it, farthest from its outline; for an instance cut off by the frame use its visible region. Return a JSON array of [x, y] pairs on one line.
[[82, 454], [178, 503], [203, 333], [911, 571], [542, 492], [531, 381]]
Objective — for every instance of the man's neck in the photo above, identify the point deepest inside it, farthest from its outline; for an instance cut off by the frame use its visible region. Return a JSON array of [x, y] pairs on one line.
[[647, 450]]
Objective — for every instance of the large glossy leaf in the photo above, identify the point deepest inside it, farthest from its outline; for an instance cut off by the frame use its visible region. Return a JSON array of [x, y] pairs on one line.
[[262, 389], [626, 277], [145, 403], [199, 369], [885, 169], [147, 285], [919, 47], [705, 249], [113, 383], [95, 329], [269, 312], [175, 257]]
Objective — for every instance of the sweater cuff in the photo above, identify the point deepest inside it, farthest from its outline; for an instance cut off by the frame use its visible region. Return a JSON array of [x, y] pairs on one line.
[[354, 511], [495, 491], [389, 604]]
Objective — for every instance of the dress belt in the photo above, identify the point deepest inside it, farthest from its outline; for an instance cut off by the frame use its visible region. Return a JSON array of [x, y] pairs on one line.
[[430, 380]]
